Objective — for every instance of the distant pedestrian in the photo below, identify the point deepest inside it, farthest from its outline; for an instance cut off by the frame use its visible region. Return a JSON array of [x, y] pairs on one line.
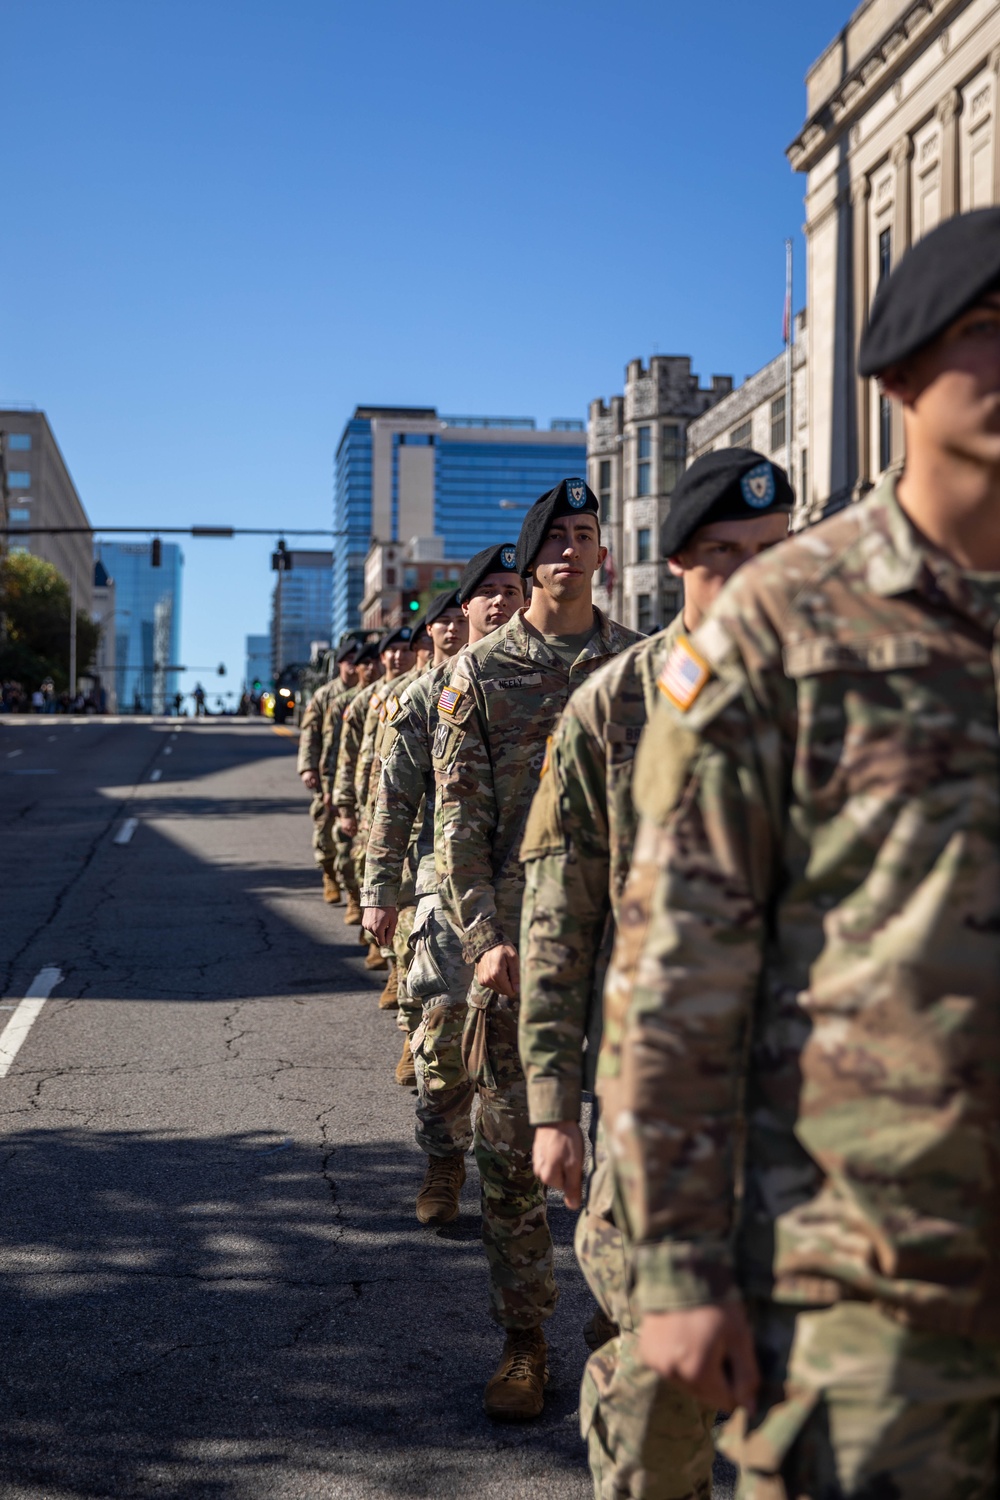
[[199, 701]]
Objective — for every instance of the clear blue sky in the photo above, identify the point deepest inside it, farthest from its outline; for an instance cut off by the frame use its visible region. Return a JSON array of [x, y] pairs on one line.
[[228, 221]]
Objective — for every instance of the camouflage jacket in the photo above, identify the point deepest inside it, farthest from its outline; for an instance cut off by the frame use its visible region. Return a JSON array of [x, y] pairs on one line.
[[311, 727], [332, 723], [576, 849], [494, 716], [345, 766], [403, 813], [370, 765], [809, 942]]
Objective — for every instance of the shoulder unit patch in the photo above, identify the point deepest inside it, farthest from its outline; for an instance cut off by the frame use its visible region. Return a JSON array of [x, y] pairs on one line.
[[684, 675]]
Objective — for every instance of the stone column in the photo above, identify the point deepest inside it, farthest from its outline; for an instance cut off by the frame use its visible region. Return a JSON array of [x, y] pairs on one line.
[[902, 230], [860, 194], [948, 112], [995, 122], [902, 214]]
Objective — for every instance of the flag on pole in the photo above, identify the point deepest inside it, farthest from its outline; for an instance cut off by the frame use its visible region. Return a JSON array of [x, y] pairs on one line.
[[786, 322]]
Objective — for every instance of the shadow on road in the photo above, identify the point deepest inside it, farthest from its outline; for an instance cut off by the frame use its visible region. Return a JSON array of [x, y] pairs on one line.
[[194, 1317], [206, 902]]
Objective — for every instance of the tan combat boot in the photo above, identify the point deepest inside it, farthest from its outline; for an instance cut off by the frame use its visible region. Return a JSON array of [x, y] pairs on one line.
[[352, 916], [331, 890], [389, 998], [374, 958], [437, 1201], [516, 1392], [406, 1073]]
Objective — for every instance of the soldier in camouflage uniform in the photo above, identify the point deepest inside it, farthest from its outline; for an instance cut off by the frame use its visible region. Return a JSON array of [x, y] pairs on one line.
[[494, 716], [346, 778], [397, 660], [432, 1007], [310, 745], [367, 667], [444, 630], [808, 958], [645, 1437], [393, 953]]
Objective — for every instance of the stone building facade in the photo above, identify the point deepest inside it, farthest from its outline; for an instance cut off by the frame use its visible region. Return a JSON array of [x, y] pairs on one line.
[[402, 578], [756, 415], [901, 132], [636, 450]]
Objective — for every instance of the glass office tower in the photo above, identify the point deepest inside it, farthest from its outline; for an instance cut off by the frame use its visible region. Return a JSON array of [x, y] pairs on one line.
[[405, 472], [300, 609], [147, 622]]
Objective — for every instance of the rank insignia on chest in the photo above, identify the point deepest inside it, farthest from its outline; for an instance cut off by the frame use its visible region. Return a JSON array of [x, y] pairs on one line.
[[449, 700], [684, 675]]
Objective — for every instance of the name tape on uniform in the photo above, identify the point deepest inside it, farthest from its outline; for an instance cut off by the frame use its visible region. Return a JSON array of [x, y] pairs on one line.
[[684, 674], [449, 700]]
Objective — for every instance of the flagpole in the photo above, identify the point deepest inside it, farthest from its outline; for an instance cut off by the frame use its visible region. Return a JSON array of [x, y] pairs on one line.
[[788, 365]]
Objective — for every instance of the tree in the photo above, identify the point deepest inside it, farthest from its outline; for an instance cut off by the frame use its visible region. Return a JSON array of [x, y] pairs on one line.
[[34, 624]]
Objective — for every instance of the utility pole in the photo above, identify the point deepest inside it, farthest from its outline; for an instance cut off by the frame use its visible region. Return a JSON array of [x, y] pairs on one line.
[[72, 636], [789, 344]]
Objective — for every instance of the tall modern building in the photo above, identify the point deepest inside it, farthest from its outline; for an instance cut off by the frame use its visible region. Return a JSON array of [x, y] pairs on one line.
[[146, 623], [41, 492], [404, 472], [257, 667], [300, 608]]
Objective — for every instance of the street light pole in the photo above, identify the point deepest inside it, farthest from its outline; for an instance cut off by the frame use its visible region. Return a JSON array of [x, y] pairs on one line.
[[72, 635]]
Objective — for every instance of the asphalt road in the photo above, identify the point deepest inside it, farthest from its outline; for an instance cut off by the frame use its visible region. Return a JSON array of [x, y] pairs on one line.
[[212, 1285]]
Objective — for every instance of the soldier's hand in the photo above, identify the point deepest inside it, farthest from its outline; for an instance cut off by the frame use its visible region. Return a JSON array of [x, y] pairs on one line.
[[557, 1157], [498, 969], [310, 779], [348, 824], [708, 1349], [381, 921], [327, 802]]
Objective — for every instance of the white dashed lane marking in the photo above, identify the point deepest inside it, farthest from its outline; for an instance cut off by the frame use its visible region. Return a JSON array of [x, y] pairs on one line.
[[126, 831], [26, 1014], [155, 775]]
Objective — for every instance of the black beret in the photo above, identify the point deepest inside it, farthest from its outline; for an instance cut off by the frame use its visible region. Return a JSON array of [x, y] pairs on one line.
[[349, 648], [401, 636], [571, 497], [731, 484], [368, 652], [501, 559], [438, 606], [943, 275]]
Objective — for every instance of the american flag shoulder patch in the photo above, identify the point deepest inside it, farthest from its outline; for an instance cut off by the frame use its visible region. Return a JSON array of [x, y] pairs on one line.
[[684, 674], [449, 700]]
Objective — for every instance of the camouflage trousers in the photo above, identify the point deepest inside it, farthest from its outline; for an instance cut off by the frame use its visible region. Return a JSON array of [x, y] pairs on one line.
[[645, 1438], [343, 862], [855, 1406], [322, 840], [401, 940], [515, 1227], [432, 1011]]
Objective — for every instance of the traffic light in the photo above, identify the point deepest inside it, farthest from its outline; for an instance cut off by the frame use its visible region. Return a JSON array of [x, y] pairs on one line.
[[156, 553], [411, 602], [281, 561]]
